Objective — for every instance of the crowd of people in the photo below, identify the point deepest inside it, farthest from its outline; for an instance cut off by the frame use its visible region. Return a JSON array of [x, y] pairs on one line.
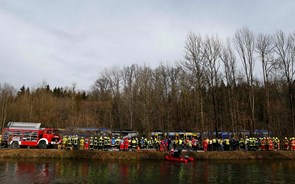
[[74, 142]]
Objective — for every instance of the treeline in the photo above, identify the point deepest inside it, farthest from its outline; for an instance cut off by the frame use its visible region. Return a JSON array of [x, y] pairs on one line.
[[245, 82]]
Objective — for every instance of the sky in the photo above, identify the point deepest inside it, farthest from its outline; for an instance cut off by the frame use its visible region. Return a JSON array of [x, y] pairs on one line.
[[66, 42]]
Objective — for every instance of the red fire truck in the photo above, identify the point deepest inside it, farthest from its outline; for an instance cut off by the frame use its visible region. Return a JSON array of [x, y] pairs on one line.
[[24, 134]]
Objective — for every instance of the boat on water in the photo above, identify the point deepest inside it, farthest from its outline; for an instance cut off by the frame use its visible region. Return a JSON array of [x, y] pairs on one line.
[[175, 155]]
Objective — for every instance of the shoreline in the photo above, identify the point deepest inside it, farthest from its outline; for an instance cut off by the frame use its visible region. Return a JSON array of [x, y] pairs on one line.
[[143, 155]]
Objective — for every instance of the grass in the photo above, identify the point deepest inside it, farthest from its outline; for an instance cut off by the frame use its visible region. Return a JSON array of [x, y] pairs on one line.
[[142, 155]]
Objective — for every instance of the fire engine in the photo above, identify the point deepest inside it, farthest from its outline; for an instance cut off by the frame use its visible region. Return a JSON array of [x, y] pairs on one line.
[[25, 134]]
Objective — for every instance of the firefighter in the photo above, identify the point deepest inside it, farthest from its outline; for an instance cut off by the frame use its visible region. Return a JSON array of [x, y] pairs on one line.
[[276, 143], [64, 142], [247, 140], [81, 143], [210, 145], [242, 144], [286, 144], [251, 144], [227, 144], [69, 143], [117, 142], [107, 143], [95, 143], [76, 140], [91, 142], [133, 144], [100, 143], [180, 143]]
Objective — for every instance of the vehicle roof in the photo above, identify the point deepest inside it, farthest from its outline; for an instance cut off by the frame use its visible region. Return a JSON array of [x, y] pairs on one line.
[[23, 125]]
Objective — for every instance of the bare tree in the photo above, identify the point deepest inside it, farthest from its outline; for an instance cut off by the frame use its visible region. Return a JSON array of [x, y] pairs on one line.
[[7, 93], [264, 49], [229, 61], [284, 47], [211, 53], [193, 67], [245, 43], [129, 88]]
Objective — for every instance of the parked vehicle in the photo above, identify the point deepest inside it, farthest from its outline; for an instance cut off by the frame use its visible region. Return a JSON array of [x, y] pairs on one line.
[[24, 134]]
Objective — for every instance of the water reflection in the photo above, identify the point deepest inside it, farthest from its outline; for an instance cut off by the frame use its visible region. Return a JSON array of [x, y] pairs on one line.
[[96, 171]]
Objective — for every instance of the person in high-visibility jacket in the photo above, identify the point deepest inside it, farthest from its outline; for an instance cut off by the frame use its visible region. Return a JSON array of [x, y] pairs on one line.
[[64, 142], [81, 143], [100, 143], [75, 142], [95, 143], [69, 143], [91, 141]]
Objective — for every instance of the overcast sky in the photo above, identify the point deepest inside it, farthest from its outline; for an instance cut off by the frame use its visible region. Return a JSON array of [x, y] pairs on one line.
[[71, 41]]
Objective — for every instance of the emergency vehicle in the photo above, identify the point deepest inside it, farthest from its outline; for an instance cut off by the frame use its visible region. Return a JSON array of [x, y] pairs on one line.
[[24, 134]]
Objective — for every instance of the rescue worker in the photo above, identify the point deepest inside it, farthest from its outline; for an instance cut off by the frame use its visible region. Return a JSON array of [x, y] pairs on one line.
[[86, 144], [95, 143], [286, 144], [121, 144], [269, 144], [69, 143], [276, 143], [91, 143], [64, 142], [133, 144], [126, 144], [214, 144], [247, 140], [263, 144], [194, 144], [227, 144], [189, 144], [180, 142], [241, 144], [75, 142], [100, 143], [210, 145], [205, 144], [107, 143], [118, 141], [292, 146], [113, 142], [81, 143], [252, 144], [142, 143]]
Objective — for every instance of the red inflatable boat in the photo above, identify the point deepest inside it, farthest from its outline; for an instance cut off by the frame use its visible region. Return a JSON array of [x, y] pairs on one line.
[[177, 158], [180, 159]]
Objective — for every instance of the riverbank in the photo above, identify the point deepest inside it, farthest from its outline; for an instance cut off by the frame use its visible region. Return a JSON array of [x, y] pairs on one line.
[[143, 155]]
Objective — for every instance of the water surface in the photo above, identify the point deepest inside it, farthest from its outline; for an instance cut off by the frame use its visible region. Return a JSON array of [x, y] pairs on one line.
[[106, 171]]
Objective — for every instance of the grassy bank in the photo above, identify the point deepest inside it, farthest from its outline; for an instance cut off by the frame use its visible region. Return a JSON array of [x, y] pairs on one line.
[[142, 155]]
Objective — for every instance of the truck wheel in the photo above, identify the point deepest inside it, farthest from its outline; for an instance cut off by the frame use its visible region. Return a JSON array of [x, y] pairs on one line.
[[14, 145], [42, 145]]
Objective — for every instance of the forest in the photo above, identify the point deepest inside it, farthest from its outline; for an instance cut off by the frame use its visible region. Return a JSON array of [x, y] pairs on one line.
[[245, 82]]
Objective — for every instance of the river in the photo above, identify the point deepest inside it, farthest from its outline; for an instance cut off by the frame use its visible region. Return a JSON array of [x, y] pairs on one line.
[[107, 171]]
